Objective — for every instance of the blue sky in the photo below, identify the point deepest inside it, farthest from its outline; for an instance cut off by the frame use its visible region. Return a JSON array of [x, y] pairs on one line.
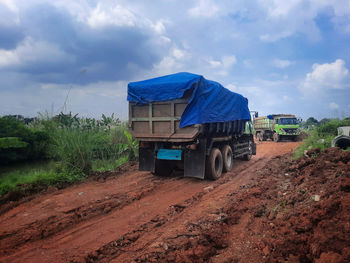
[[284, 56]]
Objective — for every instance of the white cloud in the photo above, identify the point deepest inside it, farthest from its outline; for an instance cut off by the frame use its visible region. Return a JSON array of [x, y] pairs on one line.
[[12, 17], [285, 18], [204, 8], [31, 51], [278, 8], [178, 53], [223, 65], [281, 63], [228, 61], [275, 36], [215, 63], [175, 61], [333, 106], [326, 76], [117, 15], [122, 16], [159, 27]]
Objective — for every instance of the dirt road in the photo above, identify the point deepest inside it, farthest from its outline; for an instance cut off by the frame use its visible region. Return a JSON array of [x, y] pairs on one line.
[[134, 216]]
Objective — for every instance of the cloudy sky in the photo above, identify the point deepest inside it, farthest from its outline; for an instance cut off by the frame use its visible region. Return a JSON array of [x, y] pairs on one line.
[[284, 56]]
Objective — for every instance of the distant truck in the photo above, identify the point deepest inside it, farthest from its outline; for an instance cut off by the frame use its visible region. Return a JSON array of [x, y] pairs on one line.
[[276, 127], [183, 121]]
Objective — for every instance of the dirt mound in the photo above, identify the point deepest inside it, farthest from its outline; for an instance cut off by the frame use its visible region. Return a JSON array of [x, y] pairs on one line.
[[294, 211], [312, 219]]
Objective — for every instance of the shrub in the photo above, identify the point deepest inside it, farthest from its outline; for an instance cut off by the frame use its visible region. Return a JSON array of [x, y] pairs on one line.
[[321, 137], [18, 142], [331, 127], [76, 145]]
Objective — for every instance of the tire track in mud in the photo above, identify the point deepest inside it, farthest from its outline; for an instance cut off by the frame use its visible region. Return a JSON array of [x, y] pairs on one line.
[[201, 237], [126, 243], [171, 213], [47, 227]]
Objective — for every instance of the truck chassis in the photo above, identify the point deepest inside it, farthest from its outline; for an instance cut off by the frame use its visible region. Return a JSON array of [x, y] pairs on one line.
[[205, 157]]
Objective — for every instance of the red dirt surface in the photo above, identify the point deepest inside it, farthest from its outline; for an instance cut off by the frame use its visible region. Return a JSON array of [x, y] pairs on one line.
[[265, 210]]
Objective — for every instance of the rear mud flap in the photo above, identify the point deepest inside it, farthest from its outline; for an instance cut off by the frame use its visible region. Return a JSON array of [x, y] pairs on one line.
[[146, 160], [194, 161]]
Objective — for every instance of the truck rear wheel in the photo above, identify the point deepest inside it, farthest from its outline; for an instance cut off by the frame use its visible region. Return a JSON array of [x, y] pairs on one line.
[[259, 136], [214, 164], [227, 157], [264, 137], [249, 155]]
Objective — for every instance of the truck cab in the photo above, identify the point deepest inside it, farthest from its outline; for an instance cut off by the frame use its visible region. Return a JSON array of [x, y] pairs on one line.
[[286, 126]]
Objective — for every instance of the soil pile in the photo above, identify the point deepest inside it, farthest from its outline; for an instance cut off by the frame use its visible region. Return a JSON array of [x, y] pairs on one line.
[[293, 211], [312, 222]]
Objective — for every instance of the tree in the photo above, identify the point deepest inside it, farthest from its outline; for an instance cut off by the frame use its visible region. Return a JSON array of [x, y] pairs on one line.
[[310, 122]]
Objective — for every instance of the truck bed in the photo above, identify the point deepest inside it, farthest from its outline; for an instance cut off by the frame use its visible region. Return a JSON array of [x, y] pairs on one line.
[[263, 123], [159, 121]]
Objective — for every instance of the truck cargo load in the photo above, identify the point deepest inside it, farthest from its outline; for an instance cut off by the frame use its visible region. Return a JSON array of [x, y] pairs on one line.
[[180, 118], [208, 101]]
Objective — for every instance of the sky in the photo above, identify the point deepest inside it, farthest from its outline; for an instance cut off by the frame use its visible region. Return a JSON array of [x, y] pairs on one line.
[[78, 56]]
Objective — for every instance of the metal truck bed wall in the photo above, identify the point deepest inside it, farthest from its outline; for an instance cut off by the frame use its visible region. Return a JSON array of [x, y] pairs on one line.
[[263, 123], [159, 121]]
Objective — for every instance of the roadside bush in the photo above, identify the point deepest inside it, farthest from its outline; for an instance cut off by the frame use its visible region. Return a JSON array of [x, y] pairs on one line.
[[331, 127], [80, 150], [321, 136], [19, 143], [76, 147]]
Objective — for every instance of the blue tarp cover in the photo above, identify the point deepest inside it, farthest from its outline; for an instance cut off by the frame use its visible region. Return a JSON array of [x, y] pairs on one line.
[[209, 102]]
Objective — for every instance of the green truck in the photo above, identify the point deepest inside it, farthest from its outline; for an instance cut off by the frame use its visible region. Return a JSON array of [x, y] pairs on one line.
[[276, 127]]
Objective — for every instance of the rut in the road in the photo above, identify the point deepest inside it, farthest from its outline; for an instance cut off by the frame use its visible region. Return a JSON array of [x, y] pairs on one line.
[[52, 225], [150, 218], [205, 235]]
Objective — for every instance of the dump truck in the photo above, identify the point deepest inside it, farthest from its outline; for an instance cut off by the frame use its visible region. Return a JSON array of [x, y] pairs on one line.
[[276, 127], [186, 122]]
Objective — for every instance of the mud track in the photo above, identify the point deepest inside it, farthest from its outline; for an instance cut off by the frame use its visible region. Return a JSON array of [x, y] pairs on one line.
[[138, 217]]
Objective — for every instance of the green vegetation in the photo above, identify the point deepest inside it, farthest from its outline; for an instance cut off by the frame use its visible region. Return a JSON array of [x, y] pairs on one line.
[[73, 146], [19, 180], [18, 142], [320, 136]]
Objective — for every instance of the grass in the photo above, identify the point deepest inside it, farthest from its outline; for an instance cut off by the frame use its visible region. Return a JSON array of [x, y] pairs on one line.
[[314, 140], [76, 148], [108, 165], [50, 174], [15, 180], [320, 137]]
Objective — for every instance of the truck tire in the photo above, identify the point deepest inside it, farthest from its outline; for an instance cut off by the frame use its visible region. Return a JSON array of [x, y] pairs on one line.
[[276, 137], [227, 158], [163, 168], [259, 136], [214, 164], [249, 155], [264, 137]]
